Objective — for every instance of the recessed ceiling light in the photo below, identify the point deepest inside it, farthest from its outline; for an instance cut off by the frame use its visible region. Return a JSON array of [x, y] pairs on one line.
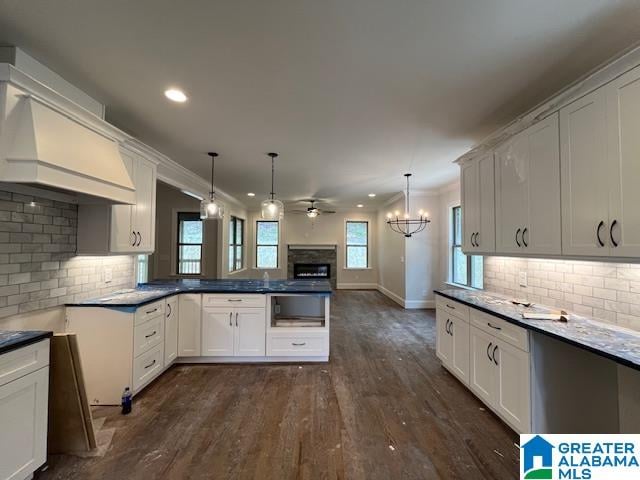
[[372, 195], [360, 205], [175, 95], [251, 194]]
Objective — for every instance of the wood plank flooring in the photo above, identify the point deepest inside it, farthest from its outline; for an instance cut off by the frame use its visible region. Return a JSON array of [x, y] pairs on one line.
[[382, 408]]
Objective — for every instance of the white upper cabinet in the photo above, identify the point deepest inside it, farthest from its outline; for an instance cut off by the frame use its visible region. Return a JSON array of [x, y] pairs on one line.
[[583, 149], [478, 206], [527, 181], [623, 118], [104, 229]]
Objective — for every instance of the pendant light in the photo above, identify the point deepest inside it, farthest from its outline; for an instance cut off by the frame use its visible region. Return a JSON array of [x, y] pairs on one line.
[[271, 208], [406, 225], [211, 209]]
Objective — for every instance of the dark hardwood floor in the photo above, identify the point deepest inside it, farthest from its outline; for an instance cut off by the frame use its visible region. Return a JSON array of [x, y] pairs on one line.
[[382, 408]]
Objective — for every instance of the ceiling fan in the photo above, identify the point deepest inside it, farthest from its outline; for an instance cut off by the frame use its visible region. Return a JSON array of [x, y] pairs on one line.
[[312, 211]]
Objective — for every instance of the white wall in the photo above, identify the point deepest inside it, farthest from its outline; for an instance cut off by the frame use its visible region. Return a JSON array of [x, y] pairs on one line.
[[449, 198], [325, 229], [391, 256]]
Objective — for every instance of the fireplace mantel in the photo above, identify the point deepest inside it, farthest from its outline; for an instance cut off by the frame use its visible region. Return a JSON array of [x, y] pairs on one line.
[[312, 246]]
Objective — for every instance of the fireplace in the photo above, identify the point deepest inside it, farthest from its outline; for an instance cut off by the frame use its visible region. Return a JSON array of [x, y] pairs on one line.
[[312, 270]]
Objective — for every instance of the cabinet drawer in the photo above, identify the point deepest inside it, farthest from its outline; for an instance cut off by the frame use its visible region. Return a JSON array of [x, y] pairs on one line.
[[147, 367], [508, 332], [452, 307], [148, 335], [20, 362], [224, 300], [149, 311], [294, 344]]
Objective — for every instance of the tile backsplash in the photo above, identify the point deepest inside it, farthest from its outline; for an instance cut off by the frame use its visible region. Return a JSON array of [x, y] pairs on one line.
[[605, 291], [38, 265]]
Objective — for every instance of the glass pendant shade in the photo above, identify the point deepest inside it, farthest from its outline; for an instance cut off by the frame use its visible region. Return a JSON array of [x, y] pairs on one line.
[[211, 209], [272, 209]]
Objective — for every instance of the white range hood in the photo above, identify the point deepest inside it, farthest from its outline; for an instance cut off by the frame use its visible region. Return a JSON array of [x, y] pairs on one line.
[[42, 145]]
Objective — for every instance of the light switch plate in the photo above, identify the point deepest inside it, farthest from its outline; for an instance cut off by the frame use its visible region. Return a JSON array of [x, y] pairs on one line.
[[523, 279]]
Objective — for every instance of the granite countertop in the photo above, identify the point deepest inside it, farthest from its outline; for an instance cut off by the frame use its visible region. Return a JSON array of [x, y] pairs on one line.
[[159, 289], [12, 340], [616, 343]]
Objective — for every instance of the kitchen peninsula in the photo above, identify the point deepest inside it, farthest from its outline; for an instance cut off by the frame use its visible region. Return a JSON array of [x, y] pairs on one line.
[[128, 338]]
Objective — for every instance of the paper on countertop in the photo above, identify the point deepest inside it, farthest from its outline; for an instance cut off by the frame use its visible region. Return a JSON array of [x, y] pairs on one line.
[[560, 316]]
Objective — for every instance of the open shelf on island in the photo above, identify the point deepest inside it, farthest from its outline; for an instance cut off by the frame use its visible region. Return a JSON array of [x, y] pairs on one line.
[[294, 311]]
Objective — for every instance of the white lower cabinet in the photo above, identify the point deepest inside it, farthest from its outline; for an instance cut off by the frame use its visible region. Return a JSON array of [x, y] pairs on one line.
[[171, 331], [492, 357], [189, 324], [23, 410], [233, 331]]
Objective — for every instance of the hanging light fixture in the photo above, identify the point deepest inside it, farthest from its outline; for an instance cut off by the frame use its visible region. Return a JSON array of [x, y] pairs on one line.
[[272, 209], [211, 209], [406, 225]]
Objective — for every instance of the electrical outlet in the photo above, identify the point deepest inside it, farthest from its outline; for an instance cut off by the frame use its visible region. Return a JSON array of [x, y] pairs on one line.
[[108, 275], [276, 309], [523, 279]]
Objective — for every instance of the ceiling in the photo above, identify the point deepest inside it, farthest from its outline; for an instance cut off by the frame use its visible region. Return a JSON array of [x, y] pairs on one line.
[[351, 93]]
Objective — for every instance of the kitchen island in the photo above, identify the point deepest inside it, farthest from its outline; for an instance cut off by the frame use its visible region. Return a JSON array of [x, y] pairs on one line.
[[128, 338], [541, 376]]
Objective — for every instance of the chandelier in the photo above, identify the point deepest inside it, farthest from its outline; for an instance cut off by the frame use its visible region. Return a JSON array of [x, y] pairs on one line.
[[406, 225], [211, 209]]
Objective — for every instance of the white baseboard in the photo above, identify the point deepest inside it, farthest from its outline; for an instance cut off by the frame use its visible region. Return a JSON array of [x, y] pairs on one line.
[[396, 298], [357, 286], [214, 360]]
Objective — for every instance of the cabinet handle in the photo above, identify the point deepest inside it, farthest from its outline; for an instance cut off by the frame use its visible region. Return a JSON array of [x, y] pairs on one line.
[[494, 355], [150, 365], [524, 242], [449, 306], [139, 239], [489, 348], [133, 235], [477, 241], [236, 319], [471, 240], [150, 335], [518, 233], [446, 326], [600, 225], [234, 300], [169, 307], [613, 224], [298, 344], [151, 311], [493, 326], [451, 328], [230, 316]]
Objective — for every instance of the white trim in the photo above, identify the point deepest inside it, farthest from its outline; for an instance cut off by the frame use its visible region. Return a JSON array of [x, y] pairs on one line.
[[396, 298], [357, 286], [412, 304]]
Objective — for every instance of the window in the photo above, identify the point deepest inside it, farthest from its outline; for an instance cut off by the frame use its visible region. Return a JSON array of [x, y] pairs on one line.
[[267, 244], [357, 244], [189, 244], [465, 269], [236, 243], [142, 272]]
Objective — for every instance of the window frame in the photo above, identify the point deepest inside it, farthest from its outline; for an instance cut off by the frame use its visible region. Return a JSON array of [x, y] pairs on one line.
[[193, 216], [452, 249], [347, 245], [233, 228], [277, 245]]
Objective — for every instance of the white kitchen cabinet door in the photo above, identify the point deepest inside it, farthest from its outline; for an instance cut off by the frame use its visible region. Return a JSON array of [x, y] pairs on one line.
[[483, 378], [459, 333], [513, 399], [144, 209], [122, 237], [251, 332], [584, 176], [444, 342], [511, 187], [23, 420], [543, 230], [485, 238], [189, 324], [218, 331], [469, 202], [623, 121], [171, 331]]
